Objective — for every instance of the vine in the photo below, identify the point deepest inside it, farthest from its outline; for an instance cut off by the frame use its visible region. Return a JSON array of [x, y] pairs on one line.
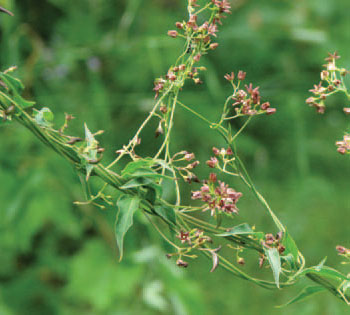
[[208, 224]]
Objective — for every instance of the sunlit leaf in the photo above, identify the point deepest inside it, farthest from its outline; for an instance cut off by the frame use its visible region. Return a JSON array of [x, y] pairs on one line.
[[273, 257]]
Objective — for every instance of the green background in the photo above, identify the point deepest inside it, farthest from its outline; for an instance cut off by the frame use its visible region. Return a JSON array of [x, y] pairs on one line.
[[97, 59]]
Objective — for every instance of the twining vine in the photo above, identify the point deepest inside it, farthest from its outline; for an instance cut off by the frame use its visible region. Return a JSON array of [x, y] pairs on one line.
[[209, 223]]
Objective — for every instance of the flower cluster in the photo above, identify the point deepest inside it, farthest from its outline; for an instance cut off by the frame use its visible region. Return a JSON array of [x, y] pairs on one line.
[[274, 241], [344, 145], [186, 171], [199, 42], [222, 153], [194, 239], [217, 197], [332, 77], [247, 101]]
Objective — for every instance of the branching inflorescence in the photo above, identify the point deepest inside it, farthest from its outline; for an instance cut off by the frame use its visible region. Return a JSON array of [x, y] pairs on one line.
[[209, 223]]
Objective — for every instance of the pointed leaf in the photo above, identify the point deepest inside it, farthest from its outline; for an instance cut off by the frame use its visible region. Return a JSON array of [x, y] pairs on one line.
[[15, 87], [305, 293], [137, 182], [131, 167], [127, 206], [241, 229], [290, 245], [273, 257], [167, 213]]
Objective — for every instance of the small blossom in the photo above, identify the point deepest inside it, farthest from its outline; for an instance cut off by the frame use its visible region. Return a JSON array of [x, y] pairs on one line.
[[213, 46], [241, 75], [189, 156], [229, 77], [212, 162], [197, 57], [332, 57]]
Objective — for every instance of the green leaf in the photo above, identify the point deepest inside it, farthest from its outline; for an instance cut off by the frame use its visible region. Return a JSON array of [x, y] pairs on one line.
[[305, 293], [290, 245], [346, 286], [328, 273], [133, 166], [90, 151], [241, 229], [127, 206], [13, 82], [166, 213], [44, 117], [15, 88], [137, 182], [273, 257]]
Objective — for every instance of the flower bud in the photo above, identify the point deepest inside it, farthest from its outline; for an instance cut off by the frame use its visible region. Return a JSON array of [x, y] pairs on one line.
[[241, 261], [270, 111], [346, 110], [212, 177], [179, 25], [213, 46], [266, 105], [172, 33]]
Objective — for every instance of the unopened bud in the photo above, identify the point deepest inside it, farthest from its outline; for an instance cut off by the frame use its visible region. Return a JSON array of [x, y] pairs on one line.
[[346, 110], [341, 150], [213, 46], [270, 111], [241, 261], [159, 130], [179, 25], [212, 177], [265, 106], [172, 33]]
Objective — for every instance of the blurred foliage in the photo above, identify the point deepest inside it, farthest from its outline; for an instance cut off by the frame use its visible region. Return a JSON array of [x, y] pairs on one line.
[[96, 59]]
